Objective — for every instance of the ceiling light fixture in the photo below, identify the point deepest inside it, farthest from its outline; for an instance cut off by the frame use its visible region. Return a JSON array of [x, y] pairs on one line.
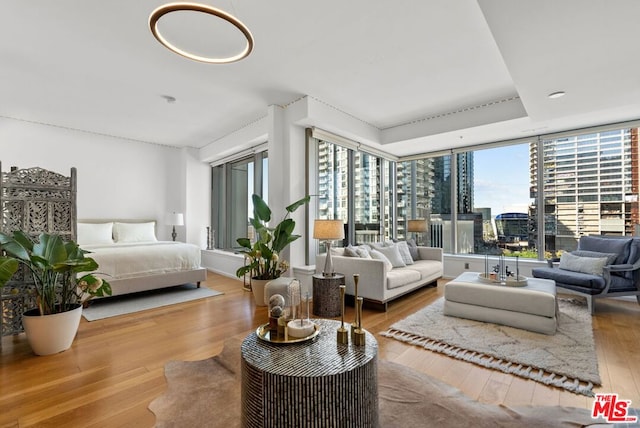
[[201, 8], [557, 94]]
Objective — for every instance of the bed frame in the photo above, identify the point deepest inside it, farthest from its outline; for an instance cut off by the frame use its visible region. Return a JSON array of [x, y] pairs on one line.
[[150, 282]]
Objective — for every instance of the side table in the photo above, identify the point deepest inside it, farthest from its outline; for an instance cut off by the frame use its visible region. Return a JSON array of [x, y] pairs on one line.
[[314, 384], [326, 295]]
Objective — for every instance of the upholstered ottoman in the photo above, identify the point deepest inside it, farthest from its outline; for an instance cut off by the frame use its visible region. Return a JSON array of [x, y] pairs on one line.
[[533, 307]]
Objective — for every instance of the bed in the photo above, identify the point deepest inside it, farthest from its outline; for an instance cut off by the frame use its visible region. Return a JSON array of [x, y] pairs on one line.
[[132, 259]]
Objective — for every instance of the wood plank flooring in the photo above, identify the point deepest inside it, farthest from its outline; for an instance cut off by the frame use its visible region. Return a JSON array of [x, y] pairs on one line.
[[115, 366]]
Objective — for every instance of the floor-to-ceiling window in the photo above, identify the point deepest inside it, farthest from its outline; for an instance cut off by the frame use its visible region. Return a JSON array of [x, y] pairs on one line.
[[496, 198], [591, 186], [353, 186], [233, 184]]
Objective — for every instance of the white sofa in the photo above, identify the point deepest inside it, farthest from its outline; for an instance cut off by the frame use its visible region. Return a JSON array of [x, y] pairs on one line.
[[378, 284]]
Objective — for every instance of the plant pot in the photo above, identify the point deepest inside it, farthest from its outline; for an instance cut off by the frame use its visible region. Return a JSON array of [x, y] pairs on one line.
[[257, 287], [50, 334]]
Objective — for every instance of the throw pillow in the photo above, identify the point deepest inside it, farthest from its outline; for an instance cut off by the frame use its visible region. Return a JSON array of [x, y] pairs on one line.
[[338, 251], [350, 251], [611, 257], [393, 254], [413, 249], [134, 232], [403, 247], [378, 245], [95, 233], [361, 251], [377, 255], [590, 265]]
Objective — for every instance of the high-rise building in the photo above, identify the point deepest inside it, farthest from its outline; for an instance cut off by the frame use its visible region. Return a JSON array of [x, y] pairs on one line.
[[441, 202], [590, 185]]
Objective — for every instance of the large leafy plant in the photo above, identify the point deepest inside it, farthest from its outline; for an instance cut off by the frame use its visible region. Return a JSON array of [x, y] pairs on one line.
[[264, 254], [58, 268]]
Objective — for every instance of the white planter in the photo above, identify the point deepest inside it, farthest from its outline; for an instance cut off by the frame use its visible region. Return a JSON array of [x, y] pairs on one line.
[[50, 334], [257, 286]]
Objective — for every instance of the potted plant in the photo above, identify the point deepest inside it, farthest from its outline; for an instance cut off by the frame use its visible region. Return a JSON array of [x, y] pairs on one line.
[[265, 263], [62, 282]]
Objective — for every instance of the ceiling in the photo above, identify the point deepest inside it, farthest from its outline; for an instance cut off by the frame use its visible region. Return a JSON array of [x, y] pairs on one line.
[[428, 75]]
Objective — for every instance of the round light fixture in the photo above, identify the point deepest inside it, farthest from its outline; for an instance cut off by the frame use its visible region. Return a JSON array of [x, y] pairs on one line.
[[557, 94], [201, 8]]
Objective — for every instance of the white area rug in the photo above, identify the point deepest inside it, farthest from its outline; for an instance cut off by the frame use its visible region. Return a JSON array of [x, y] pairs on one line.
[[120, 305], [567, 359]]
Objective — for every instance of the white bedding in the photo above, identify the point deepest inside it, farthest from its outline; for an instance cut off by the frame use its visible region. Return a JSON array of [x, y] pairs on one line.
[[139, 259]]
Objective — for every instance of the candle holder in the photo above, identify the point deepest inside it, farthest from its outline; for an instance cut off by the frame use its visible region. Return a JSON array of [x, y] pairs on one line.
[[342, 334], [501, 273], [359, 337], [354, 324]]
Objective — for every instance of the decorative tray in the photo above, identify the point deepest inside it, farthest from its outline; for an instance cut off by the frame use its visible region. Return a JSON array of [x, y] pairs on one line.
[[510, 281], [263, 333]]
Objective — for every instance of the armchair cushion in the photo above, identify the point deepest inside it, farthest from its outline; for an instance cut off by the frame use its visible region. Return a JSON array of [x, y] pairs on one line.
[[599, 244], [569, 278], [611, 257], [590, 265]]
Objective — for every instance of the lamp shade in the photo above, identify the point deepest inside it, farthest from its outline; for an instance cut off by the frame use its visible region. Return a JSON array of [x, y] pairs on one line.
[[417, 225], [328, 229], [175, 219]]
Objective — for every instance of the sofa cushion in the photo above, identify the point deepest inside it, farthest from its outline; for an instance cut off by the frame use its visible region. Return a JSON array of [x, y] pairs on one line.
[[619, 246], [566, 277], [401, 276], [377, 255], [403, 247], [427, 268], [591, 265], [393, 254]]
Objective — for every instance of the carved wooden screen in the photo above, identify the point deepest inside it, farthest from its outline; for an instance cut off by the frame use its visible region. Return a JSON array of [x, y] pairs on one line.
[[33, 200]]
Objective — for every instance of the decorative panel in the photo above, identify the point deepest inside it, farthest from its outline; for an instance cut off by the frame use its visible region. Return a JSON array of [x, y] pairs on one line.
[[33, 200]]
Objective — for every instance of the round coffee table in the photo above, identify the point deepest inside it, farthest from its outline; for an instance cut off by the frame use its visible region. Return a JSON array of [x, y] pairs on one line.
[[318, 383]]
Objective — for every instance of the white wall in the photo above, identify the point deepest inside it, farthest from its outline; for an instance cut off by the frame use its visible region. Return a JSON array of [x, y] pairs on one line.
[[116, 178]]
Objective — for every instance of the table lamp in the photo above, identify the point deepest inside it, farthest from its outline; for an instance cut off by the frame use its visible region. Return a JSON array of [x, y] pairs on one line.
[[175, 219], [418, 226], [328, 230]]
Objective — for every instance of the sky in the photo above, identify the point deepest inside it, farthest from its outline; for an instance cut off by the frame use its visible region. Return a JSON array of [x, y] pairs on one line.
[[501, 179]]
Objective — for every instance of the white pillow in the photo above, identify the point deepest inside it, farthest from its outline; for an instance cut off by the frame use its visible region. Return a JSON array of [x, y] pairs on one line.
[[393, 254], [405, 253], [135, 232], [337, 251], [590, 265], [95, 233], [377, 255]]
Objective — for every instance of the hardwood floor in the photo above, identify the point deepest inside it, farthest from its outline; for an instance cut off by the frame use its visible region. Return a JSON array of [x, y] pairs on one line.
[[115, 366]]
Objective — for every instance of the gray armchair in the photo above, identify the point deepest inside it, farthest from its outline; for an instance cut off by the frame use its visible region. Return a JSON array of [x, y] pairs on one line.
[[602, 266]]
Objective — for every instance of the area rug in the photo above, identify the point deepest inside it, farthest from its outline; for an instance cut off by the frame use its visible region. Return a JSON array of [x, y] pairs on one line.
[[130, 303], [208, 393], [567, 359]]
